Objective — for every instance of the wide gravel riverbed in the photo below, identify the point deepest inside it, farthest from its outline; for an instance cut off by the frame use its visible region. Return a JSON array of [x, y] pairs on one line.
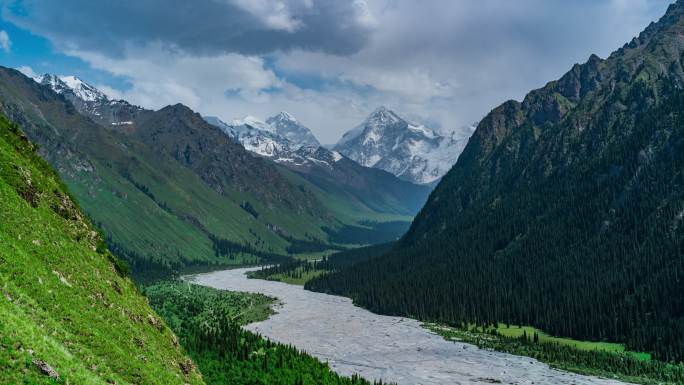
[[354, 340]]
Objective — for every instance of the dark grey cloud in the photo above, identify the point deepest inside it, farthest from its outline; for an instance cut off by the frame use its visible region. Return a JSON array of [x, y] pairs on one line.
[[453, 61], [198, 27]]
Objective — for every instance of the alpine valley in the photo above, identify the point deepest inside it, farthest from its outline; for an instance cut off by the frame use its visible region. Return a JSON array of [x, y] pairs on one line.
[[70, 314], [170, 243], [563, 212], [197, 195]]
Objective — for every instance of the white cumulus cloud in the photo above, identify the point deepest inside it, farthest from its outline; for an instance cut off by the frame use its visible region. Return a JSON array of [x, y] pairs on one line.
[[28, 71], [5, 42]]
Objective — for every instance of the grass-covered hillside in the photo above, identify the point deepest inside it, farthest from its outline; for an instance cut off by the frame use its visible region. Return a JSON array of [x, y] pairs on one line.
[[68, 314]]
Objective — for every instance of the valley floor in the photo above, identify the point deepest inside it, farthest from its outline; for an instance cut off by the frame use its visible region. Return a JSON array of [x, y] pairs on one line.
[[354, 340]]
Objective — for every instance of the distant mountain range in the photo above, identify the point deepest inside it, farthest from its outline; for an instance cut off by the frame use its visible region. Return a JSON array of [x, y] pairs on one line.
[[413, 152], [385, 141], [284, 140], [171, 190], [327, 169]]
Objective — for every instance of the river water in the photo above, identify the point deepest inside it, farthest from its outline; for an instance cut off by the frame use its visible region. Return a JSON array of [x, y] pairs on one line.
[[354, 340]]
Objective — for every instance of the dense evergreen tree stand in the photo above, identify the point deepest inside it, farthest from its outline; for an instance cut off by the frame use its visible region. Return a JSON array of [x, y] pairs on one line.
[[564, 212], [208, 324]]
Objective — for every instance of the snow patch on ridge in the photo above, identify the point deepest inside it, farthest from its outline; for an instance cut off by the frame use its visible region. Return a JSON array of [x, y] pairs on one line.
[[268, 139], [78, 87]]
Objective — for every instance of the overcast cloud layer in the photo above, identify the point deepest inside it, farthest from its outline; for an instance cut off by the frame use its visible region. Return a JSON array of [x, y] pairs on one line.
[[330, 62]]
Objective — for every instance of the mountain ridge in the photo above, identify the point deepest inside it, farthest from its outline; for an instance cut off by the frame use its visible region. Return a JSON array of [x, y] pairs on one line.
[[116, 176], [91, 101], [563, 211], [199, 198], [327, 169]]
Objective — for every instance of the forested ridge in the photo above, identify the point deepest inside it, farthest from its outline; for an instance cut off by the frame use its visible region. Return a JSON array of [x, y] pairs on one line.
[[564, 212]]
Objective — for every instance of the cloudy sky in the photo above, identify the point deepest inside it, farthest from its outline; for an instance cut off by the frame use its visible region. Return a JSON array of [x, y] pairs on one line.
[[328, 62]]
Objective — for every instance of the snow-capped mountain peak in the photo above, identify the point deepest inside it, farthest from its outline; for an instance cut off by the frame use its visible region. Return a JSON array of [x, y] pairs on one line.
[[252, 122], [81, 89], [371, 129], [383, 115], [285, 116], [255, 135], [290, 128], [411, 151], [265, 139], [90, 101]]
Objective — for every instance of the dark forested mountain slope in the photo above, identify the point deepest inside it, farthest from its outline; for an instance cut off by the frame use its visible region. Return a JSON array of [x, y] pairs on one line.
[[564, 211]]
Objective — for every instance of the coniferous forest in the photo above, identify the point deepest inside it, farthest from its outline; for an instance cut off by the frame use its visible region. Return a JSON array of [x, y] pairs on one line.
[[208, 324], [564, 212]]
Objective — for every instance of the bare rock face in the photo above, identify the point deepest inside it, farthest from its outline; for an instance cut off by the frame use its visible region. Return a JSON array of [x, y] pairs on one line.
[[46, 369]]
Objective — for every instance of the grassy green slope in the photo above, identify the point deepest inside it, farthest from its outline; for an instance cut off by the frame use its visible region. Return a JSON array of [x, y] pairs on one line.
[[155, 208], [346, 208], [62, 300], [172, 219]]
